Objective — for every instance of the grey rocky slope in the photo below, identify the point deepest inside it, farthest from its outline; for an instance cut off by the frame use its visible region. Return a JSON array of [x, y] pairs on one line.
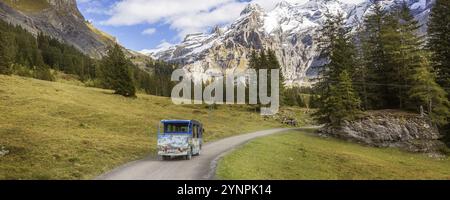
[[61, 19], [289, 29], [407, 131]]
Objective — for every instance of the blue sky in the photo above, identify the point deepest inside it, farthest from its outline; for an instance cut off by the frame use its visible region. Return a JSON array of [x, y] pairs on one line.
[[151, 24], [128, 35]]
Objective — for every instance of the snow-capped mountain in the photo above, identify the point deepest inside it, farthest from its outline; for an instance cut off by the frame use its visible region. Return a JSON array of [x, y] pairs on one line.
[[289, 29]]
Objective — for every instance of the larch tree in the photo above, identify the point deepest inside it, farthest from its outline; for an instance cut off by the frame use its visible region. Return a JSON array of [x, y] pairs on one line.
[[426, 93]]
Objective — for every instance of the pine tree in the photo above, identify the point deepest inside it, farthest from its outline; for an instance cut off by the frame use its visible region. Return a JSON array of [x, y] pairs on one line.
[[328, 34], [116, 73], [337, 98], [273, 63], [439, 45], [403, 47], [290, 97], [341, 104], [253, 61], [392, 66], [373, 63], [361, 70], [262, 60], [253, 64], [337, 47], [6, 56], [272, 60], [439, 41], [160, 79], [391, 49]]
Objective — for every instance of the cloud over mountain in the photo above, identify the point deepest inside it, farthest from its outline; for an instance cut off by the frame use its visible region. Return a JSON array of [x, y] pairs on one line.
[[183, 16]]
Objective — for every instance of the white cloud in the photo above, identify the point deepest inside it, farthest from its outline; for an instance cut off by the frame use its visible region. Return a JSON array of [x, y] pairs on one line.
[[162, 46], [183, 16], [149, 31], [130, 12]]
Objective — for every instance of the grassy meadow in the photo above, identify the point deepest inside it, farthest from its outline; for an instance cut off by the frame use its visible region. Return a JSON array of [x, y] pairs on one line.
[[28, 5], [301, 155], [62, 130]]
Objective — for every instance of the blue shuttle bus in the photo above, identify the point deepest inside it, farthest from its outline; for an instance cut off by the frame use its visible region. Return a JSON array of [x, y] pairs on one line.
[[179, 138]]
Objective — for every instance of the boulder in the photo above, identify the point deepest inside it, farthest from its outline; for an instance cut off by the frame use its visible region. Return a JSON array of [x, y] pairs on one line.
[[407, 131]]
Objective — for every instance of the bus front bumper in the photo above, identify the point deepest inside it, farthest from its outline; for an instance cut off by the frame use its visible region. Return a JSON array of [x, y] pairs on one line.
[[173, 152]]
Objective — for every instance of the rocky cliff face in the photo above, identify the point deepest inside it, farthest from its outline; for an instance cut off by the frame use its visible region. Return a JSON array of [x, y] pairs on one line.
[[407, 131], [60, 19], [289, 29]]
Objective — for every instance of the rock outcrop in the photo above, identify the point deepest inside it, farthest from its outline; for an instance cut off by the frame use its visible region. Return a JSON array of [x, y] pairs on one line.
[[407, 131]]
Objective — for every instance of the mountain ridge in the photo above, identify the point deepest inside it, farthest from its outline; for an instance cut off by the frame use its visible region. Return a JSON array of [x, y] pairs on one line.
[[59, 19], [289, 29], [62, 20]]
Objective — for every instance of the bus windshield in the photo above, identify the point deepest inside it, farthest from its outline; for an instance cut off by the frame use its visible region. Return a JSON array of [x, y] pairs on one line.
[[176, 128]]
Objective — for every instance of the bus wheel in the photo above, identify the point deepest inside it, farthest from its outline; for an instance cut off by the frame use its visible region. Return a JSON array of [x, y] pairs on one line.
[[198, 153], [189, 156]]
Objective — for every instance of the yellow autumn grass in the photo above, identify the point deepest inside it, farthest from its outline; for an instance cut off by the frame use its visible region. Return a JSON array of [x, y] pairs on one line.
[[56, 130]]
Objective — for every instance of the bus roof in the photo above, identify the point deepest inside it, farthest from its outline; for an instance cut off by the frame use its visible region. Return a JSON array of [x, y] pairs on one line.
[[179, 121]]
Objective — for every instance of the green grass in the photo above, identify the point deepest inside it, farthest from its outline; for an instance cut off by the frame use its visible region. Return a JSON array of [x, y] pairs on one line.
[[296, 155], [56, 130], [28, 5], [105, 37]]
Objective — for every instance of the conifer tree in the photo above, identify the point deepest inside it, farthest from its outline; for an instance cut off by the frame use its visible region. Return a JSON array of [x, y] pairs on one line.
[[262, 60], [337, 47], [116, 73], [439, 41], [253, 64], [390, 62], [403, 47], [291, 97], [391, 49], [426, 93], [361, 70], [6, 57], [341, 104], [273, 63], [373, 62], [253, 61], [337, 98], [267, 60]]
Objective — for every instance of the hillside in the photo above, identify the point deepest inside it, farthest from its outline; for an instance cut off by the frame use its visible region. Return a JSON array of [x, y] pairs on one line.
[[28, 5], [54, 130], [59, 19]]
